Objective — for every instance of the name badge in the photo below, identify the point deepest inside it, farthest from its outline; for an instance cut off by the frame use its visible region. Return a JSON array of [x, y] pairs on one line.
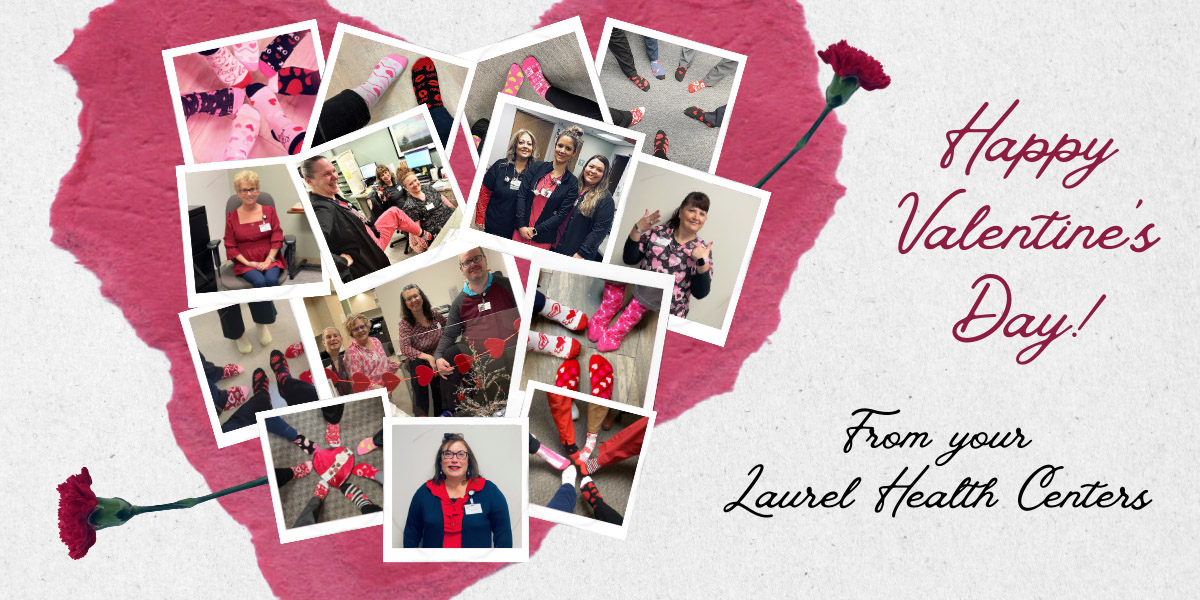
[[662, 241], [473, 509], [265, 227], [515, 184], [428, 206], [485, 306]]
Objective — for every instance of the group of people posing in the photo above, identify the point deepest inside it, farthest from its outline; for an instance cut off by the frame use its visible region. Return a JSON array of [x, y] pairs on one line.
[[544, 204]]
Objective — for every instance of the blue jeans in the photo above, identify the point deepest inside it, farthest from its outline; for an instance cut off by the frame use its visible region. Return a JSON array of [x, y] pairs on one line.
[[258, 279], [564, 498], [443, 121], [651, 48], [281, 428]]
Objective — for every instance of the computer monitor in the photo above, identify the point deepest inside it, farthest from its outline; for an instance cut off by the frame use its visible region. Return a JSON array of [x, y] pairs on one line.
[[368, 173], [418, 158]]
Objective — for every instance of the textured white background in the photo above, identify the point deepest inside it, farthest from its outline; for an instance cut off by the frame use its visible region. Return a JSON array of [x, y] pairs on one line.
[[862, 326]]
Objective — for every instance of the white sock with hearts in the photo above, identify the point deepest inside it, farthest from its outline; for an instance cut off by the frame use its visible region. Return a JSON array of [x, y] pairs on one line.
[[386, 72], [566, 316], [554, 345]]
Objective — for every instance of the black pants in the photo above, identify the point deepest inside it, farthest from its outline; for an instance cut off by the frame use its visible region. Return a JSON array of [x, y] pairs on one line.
[[564, 100], [423, 395], [245, 414], [618, 44], [232, 324]]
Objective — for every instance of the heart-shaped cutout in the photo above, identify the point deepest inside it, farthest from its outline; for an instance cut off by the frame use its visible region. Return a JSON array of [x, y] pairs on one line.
[[361, 382], [424, 375], [332, 377], [495, 347], [517, 324], [463, 362], [390, 381]]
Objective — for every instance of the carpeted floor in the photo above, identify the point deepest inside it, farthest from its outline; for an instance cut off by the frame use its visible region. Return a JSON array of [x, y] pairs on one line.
[[691, 142]]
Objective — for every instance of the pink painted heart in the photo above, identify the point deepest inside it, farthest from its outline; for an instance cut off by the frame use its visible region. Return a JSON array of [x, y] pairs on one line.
[[495, 347], [326, 464], [109, 242], [463, 362], [424, 375]]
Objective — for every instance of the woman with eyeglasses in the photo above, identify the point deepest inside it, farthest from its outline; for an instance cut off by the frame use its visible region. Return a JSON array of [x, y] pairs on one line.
[[419, 331], [457, 508], [365, 354], [253, 239]]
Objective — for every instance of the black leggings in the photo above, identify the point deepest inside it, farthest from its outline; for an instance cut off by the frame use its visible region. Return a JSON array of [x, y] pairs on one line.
[[347, 112], [424, 395]]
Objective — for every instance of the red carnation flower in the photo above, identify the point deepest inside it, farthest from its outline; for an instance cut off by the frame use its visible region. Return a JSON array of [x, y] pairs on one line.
[[76, 501], [848, 61]]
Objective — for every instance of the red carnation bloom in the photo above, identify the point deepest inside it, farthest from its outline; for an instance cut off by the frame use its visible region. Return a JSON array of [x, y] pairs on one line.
[[75, 505], [848, 61]]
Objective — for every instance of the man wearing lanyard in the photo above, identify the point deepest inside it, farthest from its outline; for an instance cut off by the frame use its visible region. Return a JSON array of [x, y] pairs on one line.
[[484, 308]]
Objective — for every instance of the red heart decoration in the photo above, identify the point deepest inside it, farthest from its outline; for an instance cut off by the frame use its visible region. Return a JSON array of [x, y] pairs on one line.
[[390, 381], [517, 324], [424, 375], [361, 382], [323, 459], [332, 377], [495, 347], [463, 362]]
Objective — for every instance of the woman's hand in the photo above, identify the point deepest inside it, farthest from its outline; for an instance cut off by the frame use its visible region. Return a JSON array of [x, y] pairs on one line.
[[702, 251], [576, 255], [263, 265], [349, 261], [429, 359], [648, 220], [526, 232]]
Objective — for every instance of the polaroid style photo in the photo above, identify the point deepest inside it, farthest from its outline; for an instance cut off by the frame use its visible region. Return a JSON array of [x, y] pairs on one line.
[[383, 200], [246, 96], [551, 65], [714, 216], [373, 77], [325, 465], [596, 493]]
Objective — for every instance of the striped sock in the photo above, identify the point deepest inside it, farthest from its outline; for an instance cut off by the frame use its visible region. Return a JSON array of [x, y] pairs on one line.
[[357, 496]]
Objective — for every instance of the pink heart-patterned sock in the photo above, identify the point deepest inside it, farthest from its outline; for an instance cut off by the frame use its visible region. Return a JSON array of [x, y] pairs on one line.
[[243, 134], [610, 303], [533, 72], [283, 129], [229, 70], [247, 54], [612, 338]]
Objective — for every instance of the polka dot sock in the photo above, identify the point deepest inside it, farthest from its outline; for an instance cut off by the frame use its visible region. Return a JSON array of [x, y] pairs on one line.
[[533, 72], [283, 129], [231, 72], [243, 344], [279, 365], [600, 372], [247, 54], [368, 471], [680, 73], [386, 72], [590, 493], [305, 444], [425, 83], [243, 134], [294, 81], [554, 345], [366, 446], [237, 396], [264, 334], [274, 55], [333, 434], [219, 103], [697, 113], [512, 83], [566, 316]]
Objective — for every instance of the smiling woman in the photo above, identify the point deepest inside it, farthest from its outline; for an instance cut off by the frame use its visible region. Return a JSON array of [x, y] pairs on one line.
[[457, 508]]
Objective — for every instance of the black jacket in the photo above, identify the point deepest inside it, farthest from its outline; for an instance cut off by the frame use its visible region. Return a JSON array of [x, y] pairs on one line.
[[346, 234], [555, 211], [583, 235], [501, 215]]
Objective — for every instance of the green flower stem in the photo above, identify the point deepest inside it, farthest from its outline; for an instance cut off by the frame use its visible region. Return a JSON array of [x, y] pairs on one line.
[[802, 143], [190, 502]]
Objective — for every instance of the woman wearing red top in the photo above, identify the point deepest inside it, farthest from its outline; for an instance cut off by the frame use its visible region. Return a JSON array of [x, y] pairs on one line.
[[252, 235]]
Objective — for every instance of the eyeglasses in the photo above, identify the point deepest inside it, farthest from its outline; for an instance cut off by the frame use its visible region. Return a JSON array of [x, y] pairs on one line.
[[248, 191], [359, 328], [474, 260], [460, 455]]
